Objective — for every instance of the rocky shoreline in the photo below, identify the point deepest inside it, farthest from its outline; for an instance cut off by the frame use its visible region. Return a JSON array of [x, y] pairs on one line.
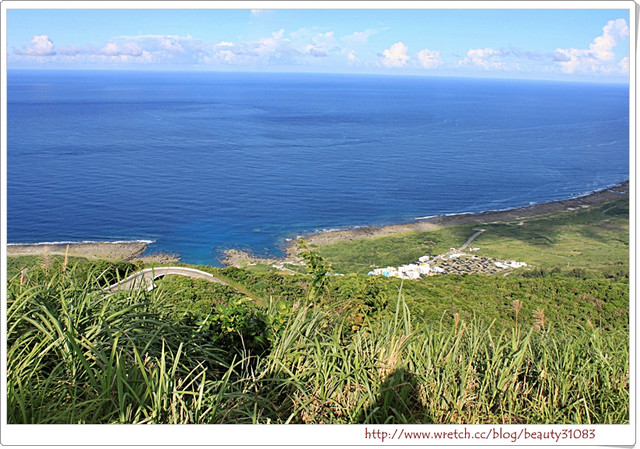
[[134, 251], [127, 251], [241, 258]]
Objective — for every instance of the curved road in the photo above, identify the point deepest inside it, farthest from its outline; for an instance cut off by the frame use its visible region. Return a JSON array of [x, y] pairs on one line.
[[148, 275], [472, 238]]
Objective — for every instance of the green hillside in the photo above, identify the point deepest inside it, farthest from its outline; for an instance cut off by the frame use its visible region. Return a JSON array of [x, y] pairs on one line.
[[594, 238], [545, 344]]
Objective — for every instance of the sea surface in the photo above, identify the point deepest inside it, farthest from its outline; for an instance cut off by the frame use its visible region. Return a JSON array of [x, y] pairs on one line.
[[203, 162]]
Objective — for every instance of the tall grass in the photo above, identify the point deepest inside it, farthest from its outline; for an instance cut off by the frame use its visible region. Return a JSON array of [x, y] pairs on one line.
[[80, 355], [76, 354], [450, 373]]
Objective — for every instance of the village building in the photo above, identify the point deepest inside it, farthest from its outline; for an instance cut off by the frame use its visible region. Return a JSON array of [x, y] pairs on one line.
[[451, 262]]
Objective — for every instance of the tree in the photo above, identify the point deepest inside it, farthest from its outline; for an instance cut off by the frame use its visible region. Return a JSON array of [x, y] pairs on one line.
[[317, 267]]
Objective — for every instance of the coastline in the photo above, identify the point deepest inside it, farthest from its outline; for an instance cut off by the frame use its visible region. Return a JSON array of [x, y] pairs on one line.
[[431, 223], [119, 250], [134, 250], [241, 258]]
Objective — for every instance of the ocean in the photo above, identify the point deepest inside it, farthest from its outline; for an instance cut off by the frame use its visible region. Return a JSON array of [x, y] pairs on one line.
[[201, 162]]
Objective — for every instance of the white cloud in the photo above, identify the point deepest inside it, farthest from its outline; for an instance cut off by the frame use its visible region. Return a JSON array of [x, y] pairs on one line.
[[485, 59], [612, 32], [267, 45], [306, 46], [320, 47], [358, 38], [325, 40], [624, 64], [171, 45], [121, 49], [228, 53], [234, 53], [323, 44], [599, 57], [352, 59], [41, 45], [429, 58], [130, 49], [156, 48], [395, 56], [315, 52], [274, 49], [274, 40]]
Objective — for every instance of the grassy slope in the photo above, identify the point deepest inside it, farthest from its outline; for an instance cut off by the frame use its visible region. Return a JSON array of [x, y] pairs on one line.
[[443, 349], [76, 355], [596, 238]]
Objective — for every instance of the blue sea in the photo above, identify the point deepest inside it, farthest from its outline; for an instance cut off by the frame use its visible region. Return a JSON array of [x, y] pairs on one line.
[[203, 162]]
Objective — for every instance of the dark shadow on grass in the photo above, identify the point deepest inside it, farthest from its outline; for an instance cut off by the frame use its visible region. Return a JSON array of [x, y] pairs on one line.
[[398, 402]]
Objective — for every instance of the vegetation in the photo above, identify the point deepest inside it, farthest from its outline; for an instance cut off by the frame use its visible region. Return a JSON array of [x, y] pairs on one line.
[[595, 238], [547, 345]]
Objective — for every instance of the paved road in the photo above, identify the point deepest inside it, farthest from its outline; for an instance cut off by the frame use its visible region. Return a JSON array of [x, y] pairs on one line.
[[472, 238], [148, 275], [601, 216]]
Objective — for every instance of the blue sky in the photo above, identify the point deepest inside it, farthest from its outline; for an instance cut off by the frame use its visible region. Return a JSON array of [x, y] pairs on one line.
[[567, 44]]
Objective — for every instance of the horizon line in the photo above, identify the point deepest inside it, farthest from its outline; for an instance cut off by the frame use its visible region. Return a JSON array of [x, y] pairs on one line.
[[608, 81]]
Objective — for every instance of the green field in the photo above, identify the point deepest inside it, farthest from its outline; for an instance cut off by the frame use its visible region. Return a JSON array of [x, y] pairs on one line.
[[596, 239], [545, 344]]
